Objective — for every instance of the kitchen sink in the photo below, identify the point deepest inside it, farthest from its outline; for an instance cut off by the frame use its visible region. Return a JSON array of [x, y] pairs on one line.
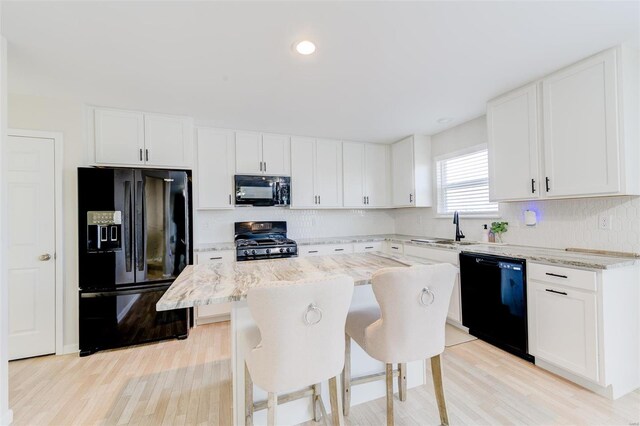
[[451, 242]]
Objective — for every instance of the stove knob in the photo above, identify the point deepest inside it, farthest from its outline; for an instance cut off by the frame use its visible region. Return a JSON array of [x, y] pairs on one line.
[[281, 250], [246, 252], [288, 250], [268, 251], [253, 252]]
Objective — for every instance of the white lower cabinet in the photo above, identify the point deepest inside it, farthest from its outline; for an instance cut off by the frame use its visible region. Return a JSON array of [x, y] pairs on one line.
[[442, 255], [367, 247], [563, 329], [220, 311], [324, 249]]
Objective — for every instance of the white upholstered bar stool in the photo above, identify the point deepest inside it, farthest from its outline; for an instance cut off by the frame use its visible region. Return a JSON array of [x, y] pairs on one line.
[[301, 327], [408, 324]]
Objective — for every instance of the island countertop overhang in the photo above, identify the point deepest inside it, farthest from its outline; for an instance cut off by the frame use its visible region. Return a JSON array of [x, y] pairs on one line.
[[208, 284]]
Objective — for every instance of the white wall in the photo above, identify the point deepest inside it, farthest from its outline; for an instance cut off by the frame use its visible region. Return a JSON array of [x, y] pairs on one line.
[[67, 117], [217, 226], [561, 223]]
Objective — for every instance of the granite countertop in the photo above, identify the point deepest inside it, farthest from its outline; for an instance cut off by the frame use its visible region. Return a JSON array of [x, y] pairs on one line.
[[229, 281], [535, 254]]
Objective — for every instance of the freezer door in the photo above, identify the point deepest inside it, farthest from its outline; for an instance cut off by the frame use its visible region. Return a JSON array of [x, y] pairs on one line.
[[161, 225]]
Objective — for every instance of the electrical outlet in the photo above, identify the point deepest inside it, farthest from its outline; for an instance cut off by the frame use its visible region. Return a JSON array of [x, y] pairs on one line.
[[604, 222]]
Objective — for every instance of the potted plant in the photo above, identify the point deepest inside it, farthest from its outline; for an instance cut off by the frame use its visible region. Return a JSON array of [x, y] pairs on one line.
[[499, 228]]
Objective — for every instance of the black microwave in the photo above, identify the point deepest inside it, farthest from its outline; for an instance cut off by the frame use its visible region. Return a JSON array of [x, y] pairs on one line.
[[263, 190]]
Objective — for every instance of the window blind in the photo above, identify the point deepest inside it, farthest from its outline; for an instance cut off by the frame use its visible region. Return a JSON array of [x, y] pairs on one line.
[[463, 184]]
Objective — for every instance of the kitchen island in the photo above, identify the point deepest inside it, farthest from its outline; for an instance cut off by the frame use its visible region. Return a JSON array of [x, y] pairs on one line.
[[229, 281]]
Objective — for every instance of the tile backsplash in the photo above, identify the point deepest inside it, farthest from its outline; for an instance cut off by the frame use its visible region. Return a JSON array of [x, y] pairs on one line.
[[561, 223], [217, 225]]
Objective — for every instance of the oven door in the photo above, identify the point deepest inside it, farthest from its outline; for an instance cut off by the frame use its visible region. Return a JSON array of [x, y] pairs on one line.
[[256, 190]]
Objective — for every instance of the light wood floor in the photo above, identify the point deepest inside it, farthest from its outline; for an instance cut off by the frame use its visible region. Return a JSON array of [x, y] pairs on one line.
[[189, 382]]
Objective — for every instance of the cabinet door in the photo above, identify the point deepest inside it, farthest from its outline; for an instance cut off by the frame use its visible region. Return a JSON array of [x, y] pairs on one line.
[[328, 175], [512, 124], [248, 153], [581, 146], [353, 174], [563, 328], [376, 172], [276, 153], [402, 173], [119, 137], [165, 140], [216, 160], [302, 171]]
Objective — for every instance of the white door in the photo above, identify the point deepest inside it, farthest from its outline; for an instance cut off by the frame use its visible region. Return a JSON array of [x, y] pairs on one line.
[[402, 173], [328, 176], [581, 146], [248, 153], [353, 174], [165, 140], [276, 155], [302, 171], [376, 175], [216, 150], [512, 124], [119, 137], [31, 237]]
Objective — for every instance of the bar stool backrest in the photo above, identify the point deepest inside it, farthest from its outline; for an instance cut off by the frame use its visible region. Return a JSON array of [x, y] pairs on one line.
[[413, 303], [302, 331]]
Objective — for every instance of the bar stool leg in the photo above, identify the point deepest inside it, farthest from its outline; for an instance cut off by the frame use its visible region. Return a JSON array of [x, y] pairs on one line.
[[316, 402], [248, 397], [402, 381], [389, 379], [436, 372], [346, 376], [336, 409], [272, 405]]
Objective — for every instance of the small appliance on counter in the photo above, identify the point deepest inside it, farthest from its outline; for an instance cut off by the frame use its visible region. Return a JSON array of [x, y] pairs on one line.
[[263, 190], [134, 228], [494, 301], [263, 240]]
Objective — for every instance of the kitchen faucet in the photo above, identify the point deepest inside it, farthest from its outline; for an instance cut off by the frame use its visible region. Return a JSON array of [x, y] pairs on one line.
[[456, 221]]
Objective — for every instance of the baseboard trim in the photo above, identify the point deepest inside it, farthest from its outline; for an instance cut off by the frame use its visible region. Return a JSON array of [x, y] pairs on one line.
[[7, 418], [69, 349], [580, 381]]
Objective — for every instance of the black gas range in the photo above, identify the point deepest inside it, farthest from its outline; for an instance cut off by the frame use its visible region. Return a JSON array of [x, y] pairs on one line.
[[263, 240]]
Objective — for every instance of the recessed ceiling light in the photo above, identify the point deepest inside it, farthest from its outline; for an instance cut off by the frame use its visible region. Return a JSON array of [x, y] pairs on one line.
[[305, 47], [444, 120]]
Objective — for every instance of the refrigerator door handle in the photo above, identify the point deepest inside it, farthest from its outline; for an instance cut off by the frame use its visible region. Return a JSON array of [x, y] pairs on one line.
[[139, 226], [147, 289], [127, 225]]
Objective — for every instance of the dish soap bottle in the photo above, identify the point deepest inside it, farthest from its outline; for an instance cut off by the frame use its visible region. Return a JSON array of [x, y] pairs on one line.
[[485, 233]]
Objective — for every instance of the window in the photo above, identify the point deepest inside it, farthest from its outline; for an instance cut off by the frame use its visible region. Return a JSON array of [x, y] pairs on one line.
[[463, 184]]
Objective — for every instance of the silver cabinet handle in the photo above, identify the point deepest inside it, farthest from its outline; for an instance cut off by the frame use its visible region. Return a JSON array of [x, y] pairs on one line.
[[146, 154], [261, 166], [410, 198], [140, 154], [319, 200], [44, 257], [265, 166], [229, 199], [216, 258]]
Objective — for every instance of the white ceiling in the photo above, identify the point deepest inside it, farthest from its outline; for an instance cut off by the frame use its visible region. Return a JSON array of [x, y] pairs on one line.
[[381, 71]]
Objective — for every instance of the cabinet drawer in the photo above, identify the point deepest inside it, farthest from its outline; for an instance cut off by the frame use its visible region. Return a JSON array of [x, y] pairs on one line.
[[577, 278], [215, 256], [367, 247]]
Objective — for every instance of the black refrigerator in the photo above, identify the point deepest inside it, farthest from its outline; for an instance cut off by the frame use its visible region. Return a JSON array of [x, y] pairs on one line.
[[135, 232]]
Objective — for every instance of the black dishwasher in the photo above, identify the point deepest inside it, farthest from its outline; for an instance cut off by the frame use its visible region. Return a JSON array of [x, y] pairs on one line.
[[494, 300]]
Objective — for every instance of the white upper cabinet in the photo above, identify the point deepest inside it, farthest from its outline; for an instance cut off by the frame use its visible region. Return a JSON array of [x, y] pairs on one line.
[[512, 124], [411, 172], [166, 140], [215, 168], [276, 155], [316, 173], [119, 137], [571, 134], [130, 138], [365, 174], [581, 138], [248, 153], [258, 153]]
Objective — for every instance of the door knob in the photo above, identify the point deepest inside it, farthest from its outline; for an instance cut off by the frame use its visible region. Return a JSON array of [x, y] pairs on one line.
[[44, 257]]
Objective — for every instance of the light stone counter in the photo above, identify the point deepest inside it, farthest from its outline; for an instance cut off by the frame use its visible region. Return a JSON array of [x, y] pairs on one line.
[[229, 281]]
